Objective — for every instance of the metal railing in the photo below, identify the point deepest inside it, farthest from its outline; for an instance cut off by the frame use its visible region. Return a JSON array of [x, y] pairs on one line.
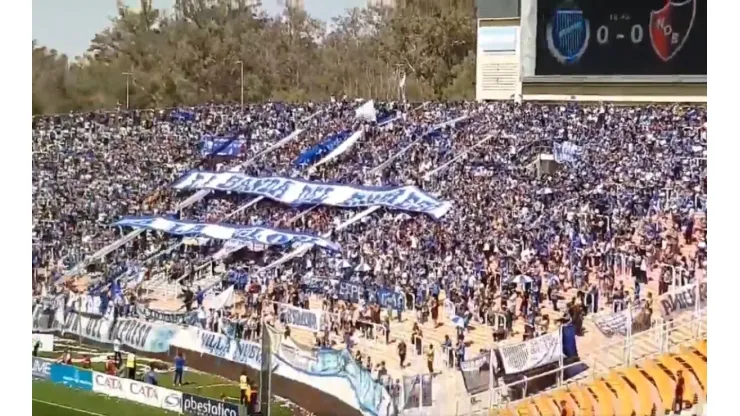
[[661, 339]]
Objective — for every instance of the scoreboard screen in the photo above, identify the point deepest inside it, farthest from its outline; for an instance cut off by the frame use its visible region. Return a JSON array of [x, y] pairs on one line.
[[621, 37]]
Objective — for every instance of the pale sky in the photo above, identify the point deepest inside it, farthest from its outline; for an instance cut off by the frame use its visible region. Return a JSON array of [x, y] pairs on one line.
[[69, 25]]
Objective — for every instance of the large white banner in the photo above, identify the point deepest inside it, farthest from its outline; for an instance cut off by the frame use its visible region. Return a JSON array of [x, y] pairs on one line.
[[299, 192], [237, 350], [134, 333], [533, 353], [254, 234], [310, 319], [683, 299], [137, 391]]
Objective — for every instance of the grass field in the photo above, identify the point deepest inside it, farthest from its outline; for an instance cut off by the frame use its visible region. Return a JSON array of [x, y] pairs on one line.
[[53, 399]]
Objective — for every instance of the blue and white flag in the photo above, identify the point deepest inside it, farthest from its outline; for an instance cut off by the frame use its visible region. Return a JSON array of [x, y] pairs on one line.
[[298, 192], [261, 235], [566, 152]]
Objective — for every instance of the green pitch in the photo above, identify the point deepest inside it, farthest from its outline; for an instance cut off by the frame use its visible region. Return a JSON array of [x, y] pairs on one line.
[[57, 400]]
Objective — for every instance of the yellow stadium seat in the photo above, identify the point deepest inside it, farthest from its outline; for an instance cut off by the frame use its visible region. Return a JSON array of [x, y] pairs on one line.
[[526, 408], [626, 401], [504, 412], [702, 347], [670, 367], [670, 362], [647, 393], [563, 395], [661, 380], [546, 405], [584, 398], [694, 362], [604, 398]]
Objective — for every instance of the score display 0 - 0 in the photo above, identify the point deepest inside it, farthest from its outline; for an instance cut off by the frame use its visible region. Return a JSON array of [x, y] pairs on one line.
[[621, 37]]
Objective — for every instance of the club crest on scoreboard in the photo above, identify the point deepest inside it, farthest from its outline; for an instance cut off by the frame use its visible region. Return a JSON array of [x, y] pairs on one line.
[[568, 33], [670, 27]]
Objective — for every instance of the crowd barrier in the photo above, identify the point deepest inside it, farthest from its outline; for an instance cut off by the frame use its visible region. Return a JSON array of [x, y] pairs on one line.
[[344, 387], [666, 336]]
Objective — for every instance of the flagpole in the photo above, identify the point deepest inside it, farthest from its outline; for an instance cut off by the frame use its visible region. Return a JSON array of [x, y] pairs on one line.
[[421, 392], [561, 362]]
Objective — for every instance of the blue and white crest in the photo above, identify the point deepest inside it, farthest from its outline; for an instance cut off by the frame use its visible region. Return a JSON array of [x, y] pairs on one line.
[[568, 34]]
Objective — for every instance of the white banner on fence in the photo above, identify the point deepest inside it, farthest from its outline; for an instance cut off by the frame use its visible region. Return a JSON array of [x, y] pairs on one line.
[[310, 319], [182, 318], [683, 299], [299, 192], [616, 323], [137, 391], [532, 353], [236, 350], [46, 340], [134, 333]]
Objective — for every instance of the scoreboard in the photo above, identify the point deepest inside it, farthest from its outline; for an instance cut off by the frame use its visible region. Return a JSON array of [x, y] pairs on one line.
[[621, 37]]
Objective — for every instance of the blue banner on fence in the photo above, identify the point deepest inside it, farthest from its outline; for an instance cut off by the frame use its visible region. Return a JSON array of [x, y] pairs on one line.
[[72, 376], [299, 192], [227, 147]]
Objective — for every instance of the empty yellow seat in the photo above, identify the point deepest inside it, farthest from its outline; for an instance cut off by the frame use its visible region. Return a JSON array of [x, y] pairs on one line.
[[507, 411], [625, 398], [604, 398], [526, 408], [702, 347], [648, 396], [546, 405], [584, 398]]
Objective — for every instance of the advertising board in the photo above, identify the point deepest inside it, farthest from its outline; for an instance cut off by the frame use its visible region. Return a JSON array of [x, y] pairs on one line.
[[71, 376], [137, 391], [201, 406]]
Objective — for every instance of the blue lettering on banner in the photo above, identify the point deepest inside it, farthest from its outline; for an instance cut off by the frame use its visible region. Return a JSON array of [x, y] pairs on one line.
[[248, 353], [302, 318], [71, 376], [255, 234], [299, 192], [215, 344], [238, 351], [386, 298]]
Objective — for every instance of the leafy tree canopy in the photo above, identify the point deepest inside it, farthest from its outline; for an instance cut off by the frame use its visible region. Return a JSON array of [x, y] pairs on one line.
[[190, 55]]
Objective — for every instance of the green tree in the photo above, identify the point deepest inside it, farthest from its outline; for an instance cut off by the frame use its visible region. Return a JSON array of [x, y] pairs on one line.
[[190, 55]]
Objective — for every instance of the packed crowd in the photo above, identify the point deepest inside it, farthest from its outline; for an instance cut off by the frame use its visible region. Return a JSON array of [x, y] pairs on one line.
[[508, 229]]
